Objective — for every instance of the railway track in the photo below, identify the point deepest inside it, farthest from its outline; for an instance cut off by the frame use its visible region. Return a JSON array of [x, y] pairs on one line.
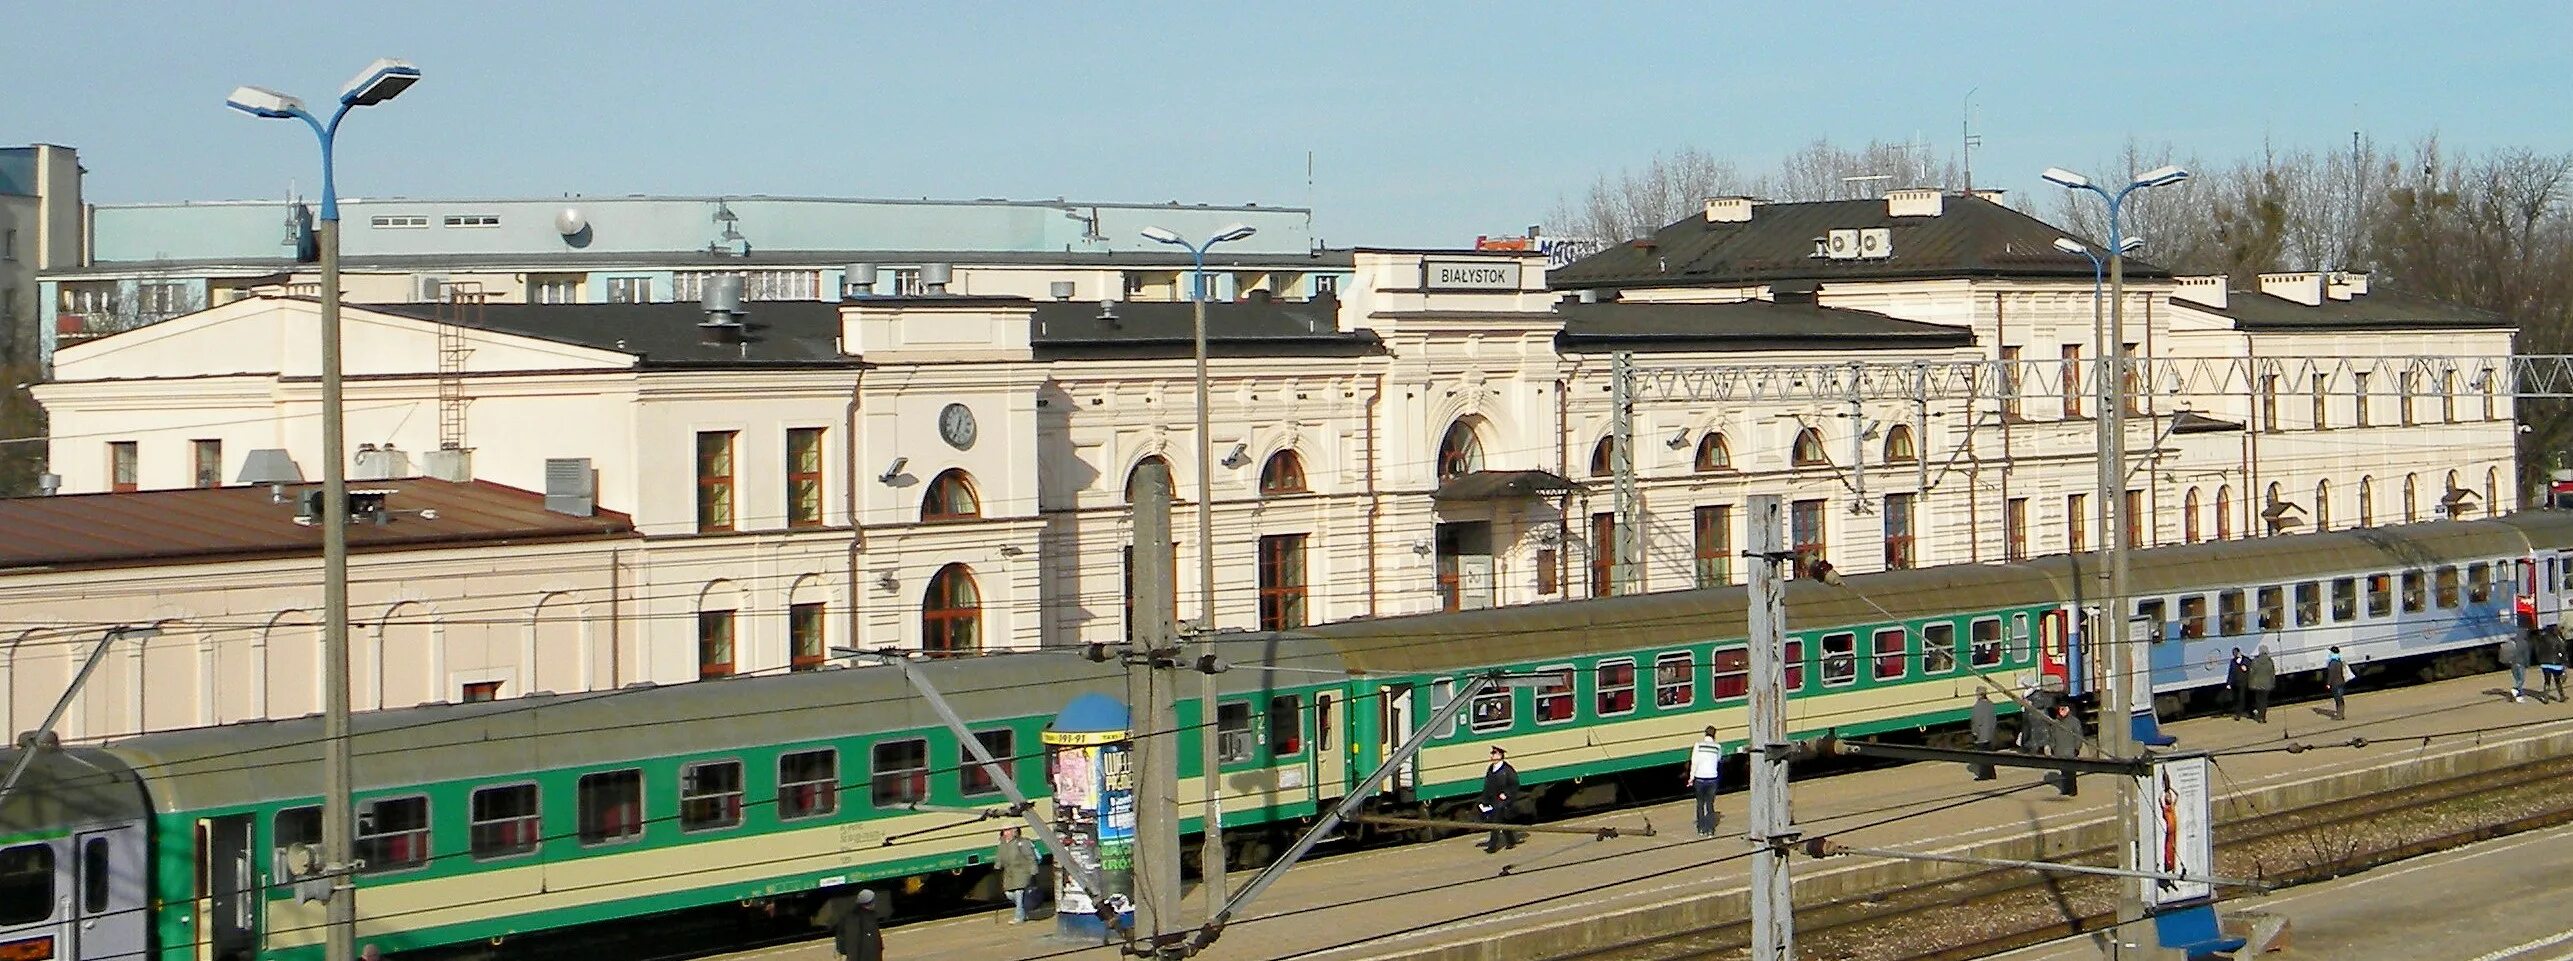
[[1987, 911]]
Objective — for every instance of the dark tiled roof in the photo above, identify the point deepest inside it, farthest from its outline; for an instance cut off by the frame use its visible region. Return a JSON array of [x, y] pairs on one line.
[[228, 523], [2253, 310], [1074, 329], [777, 333], [1971, 237], [1748, 325]]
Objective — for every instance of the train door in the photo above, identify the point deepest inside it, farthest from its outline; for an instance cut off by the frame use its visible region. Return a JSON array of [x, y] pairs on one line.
[[35, 899], [227, 888], [1331, 745], [1395, 707], [107, 894], [2052, 658]]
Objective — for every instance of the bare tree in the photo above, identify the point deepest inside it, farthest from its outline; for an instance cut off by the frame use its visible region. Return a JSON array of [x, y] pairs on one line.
[[1634, 203]]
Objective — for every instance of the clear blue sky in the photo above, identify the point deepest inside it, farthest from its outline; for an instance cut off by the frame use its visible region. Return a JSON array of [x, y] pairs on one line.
[[1430, 122]]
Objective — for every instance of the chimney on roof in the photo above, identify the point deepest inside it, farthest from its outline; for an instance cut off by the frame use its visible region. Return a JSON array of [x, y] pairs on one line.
[[1915, 202], [2203, 291], [1793, 292], [1061, 289], [1991, 195], [2304, 286], [2345, 284], [1728, 210]]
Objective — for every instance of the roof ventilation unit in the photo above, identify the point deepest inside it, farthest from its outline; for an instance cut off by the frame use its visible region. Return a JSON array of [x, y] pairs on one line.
[[934, 279], [722, 301], [571, 487], [1061, 289], [858, 280]]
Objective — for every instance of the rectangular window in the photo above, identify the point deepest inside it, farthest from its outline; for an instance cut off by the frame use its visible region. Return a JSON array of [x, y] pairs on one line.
[[2322, 404], [1555, 697], [400, 222], [1615, 683], [1938, 648], [804, 639], [1603, 554], [1793, 657], [393, 833], [2309, 604], [1806, 528], [2380, 595], [1442, 692], [476, 692], [808, 784], [804, 477], [714, 644], [1987, 642], [473, 220], [27, 887], [1282, 581], [1898, 532], [970, 776], [2404, 389], [2010, 384], [715, 480], [2014, 529], [2345, 598], [900, 772], [2273, 608], [710, 795], [1233, 738], [629, 290], [1890, 653], [1714, 525], [205, 461], [2479, 582], [906, 282], [2072, 378], [2446, 580], [1840, 659], [1286, 725], [1491, 710], [2231, 614], [555, 288], [2416, 592], [2077, 522], [1674, 680], [2193, 616], [2138, 532], [298, 835], [1549, 571], [2155, 618], [2359, 398], [1732, 673], [124, 466], [611, 809]]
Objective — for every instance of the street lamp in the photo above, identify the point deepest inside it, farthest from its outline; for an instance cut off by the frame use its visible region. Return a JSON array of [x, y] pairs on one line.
[[2117, 716], [1211, 860], [380, 81]]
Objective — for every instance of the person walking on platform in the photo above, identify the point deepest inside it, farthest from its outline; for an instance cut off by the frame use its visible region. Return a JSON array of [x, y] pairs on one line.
[[2065, 740], [1017, 861], [1984, 724], [2336, 675], [2514, 655], [1500, 790], [2238, 683], [2550, 660], [2263, 678], [855, 932], [1706, 764]]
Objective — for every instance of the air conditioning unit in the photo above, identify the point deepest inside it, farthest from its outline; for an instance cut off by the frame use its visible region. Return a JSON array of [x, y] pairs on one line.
[[432, 289], [1842, 244], [1875, 243]]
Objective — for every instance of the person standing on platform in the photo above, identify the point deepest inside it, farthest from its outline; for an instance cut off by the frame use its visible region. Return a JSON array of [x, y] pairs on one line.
[[1017, 861], [2514, 655], [2238, 683], [2065, 740], [855, 934], [2262, 680], [2550, 661], [1706, 764], [2336, 675], [1984, 724], [1500, 790]]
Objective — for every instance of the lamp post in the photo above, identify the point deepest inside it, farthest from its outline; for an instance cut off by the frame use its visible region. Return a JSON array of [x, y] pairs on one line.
[[2117, 725], [1211, 860], [379, 82]]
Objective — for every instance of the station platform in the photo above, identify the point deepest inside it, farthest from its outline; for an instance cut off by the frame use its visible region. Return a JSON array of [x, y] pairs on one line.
[[1415, 900]]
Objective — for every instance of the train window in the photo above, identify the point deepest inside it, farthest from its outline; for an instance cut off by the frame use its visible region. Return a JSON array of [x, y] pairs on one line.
[[1840, 658], [2154, 618], [1675, 679], [898, 772], [2446, 579], [1322, 724], [1442, 692], [2021, 638], [26, 884], [2565, 584], [1554, 696], [2380, 595], [2309, 603], [506, 821], [93, 875], [1492, 711], [1286, 723], [2479, 582], [971, 778], [1793, 655], [1890, 653], [1233, 740], [298, 837], [808, 784], [2273, 608], [2345, 598], [1938, 648], [611, 806], [2416, 592], [1732, 673], [393, 833], [1987, 642], [2193, 616], [2231, 614], [1615, 681], [710, 795]]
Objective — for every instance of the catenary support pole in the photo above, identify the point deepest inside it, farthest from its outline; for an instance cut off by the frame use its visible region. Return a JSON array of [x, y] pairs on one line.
[[1152, 693], [1773, 921], [1626, 570], [339, 816]]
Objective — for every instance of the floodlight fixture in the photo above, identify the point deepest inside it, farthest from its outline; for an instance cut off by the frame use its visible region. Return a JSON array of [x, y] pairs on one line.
[[2059, 175], [263, 102]]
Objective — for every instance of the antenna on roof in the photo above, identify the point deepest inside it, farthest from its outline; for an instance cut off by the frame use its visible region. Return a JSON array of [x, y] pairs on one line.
[[1970, 140]]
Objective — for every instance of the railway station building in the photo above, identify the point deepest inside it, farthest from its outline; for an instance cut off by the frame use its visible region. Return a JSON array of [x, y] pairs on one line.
[[949, 470]]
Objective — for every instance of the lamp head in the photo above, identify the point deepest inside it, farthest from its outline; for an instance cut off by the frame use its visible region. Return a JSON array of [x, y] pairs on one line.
[[2128, 245], [1233, 232], [2070, 246], [382, 80], [2162, 176], [1161, 236], [2067, 178], [263, 102]]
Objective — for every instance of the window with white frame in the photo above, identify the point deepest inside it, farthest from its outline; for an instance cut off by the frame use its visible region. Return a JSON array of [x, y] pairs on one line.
[[88, 298], [629, 290], [756, 284], [554, 288], [906, 282], [400, 222]]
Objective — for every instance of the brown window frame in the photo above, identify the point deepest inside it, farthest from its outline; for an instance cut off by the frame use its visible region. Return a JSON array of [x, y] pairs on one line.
[[205, 461], [124, 466], [946, 615], [951, 497], [717, 628], [1284, 581], [716, 464], [804, 476], [1283, 473], [806, 636], [1712, 526]]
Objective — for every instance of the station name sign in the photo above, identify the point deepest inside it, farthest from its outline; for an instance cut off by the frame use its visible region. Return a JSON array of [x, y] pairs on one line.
[[1470, 275]]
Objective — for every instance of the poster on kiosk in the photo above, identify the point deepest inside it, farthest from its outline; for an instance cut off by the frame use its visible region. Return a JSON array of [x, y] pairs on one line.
[[2175, 826]]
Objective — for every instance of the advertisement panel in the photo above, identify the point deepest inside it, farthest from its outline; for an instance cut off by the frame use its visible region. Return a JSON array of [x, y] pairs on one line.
[[2175, 825]]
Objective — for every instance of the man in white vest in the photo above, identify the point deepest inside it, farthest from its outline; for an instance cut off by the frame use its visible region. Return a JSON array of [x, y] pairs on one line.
[[1706, 764]]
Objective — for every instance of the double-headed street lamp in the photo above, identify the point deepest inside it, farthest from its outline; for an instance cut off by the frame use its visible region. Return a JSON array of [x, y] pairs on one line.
[[2110, 631], [379, 82], [1211, 860]]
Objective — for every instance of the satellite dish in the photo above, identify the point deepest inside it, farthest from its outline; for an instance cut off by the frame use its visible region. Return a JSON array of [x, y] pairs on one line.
[[570, 222]]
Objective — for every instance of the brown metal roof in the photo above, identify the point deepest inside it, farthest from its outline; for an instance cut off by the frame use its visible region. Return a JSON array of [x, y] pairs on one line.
[[225, 523], [1970, 237]]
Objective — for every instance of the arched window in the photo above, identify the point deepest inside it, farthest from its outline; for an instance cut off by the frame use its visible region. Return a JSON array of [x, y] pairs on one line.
[[950, 498], [1899, 448], [2411, 498], [2189, 517], [951, 614], [1137, 474], [2323, 505], [1713, 454], [1603, 457], [1283, 474], [1460, 452], [1808, 450], [2367, 501], [2224, 512]]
